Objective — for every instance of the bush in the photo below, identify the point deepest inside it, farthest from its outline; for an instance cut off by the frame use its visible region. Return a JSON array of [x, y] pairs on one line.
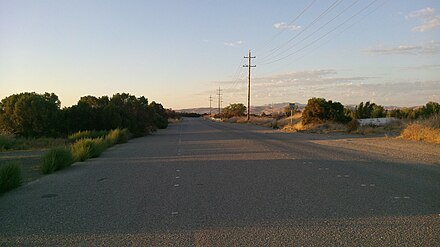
[[319, 110], [98, 146], [427, 130], [56, 159], [6, 142], [81, 149], [353, 125], [117, 136], [86, 134], [84, 149], [10, 176]]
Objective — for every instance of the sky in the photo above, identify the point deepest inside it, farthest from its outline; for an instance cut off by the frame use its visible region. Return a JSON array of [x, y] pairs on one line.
[[179, 53]]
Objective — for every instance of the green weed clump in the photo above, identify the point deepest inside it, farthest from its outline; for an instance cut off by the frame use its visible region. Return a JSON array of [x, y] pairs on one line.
[[81, 149], [117, 136], [10, 176], [56, 159], [86, 134], [6, 142], [84, 149]]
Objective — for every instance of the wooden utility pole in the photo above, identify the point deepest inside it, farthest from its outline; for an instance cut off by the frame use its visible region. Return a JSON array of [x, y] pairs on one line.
[[210, 102], [219, 101], [249, 66]]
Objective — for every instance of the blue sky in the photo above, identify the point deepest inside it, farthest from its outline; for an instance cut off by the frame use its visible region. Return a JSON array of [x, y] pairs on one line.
[[179, 52]]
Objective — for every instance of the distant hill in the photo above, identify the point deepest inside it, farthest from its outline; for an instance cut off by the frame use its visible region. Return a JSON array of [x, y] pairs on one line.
[[267, 109]]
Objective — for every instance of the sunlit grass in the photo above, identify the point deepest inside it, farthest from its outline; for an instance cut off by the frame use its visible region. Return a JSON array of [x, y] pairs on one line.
[[427, 130]]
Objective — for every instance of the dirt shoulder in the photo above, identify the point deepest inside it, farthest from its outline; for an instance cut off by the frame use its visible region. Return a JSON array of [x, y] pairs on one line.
[[393, 148]]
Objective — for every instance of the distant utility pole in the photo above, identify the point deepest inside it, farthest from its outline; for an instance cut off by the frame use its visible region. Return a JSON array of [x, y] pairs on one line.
[[219, 100], [249, 66], [210, 102]]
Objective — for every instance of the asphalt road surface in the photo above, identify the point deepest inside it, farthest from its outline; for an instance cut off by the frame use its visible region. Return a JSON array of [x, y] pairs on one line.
[[201, 183]]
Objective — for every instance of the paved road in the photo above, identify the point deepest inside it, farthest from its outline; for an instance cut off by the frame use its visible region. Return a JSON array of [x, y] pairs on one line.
[[201, 183]]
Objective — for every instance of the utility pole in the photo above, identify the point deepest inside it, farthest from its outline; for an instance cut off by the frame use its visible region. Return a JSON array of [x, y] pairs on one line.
[[219, 100], [210, 102], [249, 66]]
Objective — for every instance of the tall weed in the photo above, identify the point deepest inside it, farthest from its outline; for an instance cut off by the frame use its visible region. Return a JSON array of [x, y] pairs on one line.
[[56, 159], [86, 134], [10, 176]]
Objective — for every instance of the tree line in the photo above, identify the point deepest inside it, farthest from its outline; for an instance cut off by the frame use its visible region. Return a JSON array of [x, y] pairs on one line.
[[34, 115], [319, 110]]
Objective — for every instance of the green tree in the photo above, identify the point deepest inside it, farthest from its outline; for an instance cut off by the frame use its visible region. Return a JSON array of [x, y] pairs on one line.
[[368, 110], [429, 109], [318, 110], [233, 110], [30, 114], [160, 115]]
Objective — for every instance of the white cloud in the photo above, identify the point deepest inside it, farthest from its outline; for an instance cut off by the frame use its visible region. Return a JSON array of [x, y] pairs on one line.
[[427, 18], [426, 48], [283, 25], [431, 23], [426, 12], [233, 43]]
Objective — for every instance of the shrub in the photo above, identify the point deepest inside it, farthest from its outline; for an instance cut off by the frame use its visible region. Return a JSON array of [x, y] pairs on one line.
[[117, 136], [6, 142], [86, 134], [419, 132], [319, 110], [353, 125], [84, 149], [81, 149], [10, 176], [98, 146], [56, 159]]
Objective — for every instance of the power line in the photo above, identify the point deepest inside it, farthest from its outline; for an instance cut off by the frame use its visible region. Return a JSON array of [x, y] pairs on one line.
[[350, 26], [325, 12], [290, 23], [320, 28], [323, 36]]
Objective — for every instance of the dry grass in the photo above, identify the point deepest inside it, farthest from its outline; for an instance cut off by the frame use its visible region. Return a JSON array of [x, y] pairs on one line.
[[316, 128], [267, 121], [420, 132], [427, 130]]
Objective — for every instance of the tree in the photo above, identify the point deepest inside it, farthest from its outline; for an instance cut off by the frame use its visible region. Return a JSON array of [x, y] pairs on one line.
[[368, 110], [30, 114], [429, 109], [318, 110], [233, 110], [160, 115]]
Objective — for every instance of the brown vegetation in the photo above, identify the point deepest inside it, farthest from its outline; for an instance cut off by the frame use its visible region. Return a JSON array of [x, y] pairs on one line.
[[427, 130]]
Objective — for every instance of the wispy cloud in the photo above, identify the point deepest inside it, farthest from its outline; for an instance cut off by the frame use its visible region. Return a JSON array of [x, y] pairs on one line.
[[328, 83], [233, 43], [426, 48], [427, 18], [422, 67], [283, 25]]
